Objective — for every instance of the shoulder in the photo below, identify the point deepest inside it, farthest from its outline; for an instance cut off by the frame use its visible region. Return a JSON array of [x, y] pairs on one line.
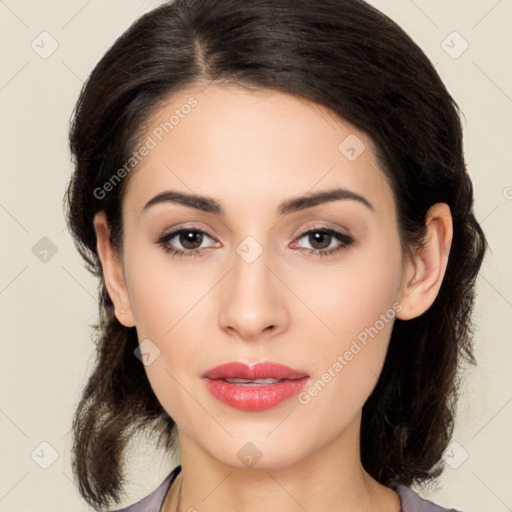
[[413, 502], [153, 502], [410, 500]]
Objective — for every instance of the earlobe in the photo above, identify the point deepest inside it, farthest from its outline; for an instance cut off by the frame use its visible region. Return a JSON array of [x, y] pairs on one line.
[[112, 271], [426, 268]]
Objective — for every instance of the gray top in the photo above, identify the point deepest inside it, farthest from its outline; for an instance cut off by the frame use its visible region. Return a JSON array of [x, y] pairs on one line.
[[410, 500]]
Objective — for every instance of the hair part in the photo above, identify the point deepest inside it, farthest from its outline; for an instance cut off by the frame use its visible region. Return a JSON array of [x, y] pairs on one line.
[[352, 59]]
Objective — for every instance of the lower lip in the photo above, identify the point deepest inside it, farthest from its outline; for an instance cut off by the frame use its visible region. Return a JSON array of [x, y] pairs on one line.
[[254, 397]]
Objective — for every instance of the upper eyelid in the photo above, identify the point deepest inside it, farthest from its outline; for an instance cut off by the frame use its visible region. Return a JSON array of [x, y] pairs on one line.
[[318, 226], [169, 235]]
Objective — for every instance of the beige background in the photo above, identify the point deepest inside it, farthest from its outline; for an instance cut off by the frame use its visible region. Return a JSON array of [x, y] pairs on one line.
[[46, 306]]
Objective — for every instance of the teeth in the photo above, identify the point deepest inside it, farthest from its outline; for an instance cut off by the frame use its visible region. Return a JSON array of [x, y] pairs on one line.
[[251, 382]]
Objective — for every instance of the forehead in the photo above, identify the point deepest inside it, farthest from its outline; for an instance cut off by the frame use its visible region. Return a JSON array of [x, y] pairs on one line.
[[229, 142]]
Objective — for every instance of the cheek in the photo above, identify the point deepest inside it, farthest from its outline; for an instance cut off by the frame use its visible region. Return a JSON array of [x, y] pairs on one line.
[[353, 295], [356, 303], [163, 292], [168, 300], [352, 359], [345, 367]]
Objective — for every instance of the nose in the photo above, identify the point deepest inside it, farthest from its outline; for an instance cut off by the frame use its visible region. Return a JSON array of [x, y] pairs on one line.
[[253, 300]]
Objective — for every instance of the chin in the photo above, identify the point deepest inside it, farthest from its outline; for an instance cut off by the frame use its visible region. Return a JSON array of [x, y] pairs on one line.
[[257, 450]]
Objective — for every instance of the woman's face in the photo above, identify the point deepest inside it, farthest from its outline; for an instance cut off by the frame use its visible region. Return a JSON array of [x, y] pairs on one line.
[[311, 285]]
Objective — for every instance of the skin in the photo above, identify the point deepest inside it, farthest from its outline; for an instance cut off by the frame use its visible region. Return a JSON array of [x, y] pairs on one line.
[[250, 151]]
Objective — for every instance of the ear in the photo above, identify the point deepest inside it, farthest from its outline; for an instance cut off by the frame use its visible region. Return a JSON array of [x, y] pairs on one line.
[[112, 271], [424, 271]]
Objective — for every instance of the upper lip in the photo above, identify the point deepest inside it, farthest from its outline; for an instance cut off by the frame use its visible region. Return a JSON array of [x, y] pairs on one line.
[[261, 370]]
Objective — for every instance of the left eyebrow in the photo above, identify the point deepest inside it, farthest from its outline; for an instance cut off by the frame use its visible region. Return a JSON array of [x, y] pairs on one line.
[[308, 201], [295, 204]]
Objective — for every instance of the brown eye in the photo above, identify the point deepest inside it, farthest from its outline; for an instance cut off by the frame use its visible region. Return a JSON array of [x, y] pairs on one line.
[[184, 242], [190, 239], [320, 240]]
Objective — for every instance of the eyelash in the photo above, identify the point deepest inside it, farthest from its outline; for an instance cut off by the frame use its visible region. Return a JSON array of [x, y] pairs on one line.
[[345, 240]]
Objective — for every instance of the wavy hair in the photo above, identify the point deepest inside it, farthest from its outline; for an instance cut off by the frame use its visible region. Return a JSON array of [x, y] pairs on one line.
[[344, 55]]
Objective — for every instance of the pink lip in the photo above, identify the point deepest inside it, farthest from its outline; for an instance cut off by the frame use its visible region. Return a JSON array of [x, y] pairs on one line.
[[256, 397]]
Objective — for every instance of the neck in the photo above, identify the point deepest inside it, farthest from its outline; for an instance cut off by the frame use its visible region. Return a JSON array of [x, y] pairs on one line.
[[331, 478]]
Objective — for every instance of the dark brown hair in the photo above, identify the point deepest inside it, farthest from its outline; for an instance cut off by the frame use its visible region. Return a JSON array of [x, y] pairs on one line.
[[349, 57]]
